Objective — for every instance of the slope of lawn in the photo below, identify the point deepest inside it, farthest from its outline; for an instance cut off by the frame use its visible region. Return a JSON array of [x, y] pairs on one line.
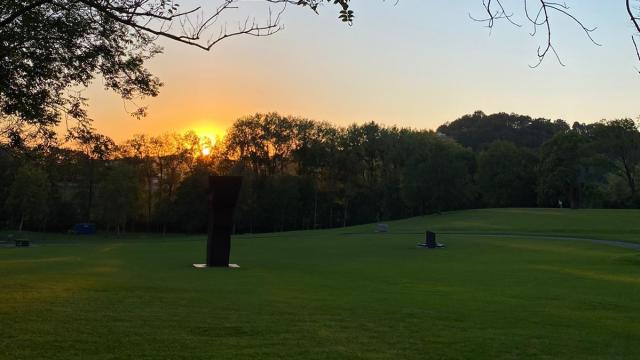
[[589, 223], [336, 294]]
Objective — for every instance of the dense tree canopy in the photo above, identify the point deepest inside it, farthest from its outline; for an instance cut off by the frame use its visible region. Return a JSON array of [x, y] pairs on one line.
[[52, 49], [507, 175], [118, 196], [303, 174], [478, 130], [568, 168], [620, 141], [27, 198]]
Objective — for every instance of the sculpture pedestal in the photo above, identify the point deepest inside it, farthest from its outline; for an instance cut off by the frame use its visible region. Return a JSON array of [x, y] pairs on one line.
[[204, 266]]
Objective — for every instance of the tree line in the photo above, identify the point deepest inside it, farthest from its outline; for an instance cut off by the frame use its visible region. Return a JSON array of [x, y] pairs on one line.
[[304, 174]]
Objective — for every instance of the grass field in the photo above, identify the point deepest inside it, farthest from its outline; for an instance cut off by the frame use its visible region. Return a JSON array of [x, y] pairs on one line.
[[336, 294]]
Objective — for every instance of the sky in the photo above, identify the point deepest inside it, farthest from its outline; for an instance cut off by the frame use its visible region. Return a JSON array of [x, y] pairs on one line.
[[417, 63]]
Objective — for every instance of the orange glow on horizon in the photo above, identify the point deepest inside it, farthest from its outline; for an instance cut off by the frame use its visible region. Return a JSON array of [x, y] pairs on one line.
[[208, 133]]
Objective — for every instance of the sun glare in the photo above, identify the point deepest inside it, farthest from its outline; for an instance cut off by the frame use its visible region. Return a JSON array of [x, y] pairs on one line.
[[207, 143], [208, 137]]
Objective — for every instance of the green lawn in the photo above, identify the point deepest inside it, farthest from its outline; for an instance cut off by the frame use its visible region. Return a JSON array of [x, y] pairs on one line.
[[337, 294]]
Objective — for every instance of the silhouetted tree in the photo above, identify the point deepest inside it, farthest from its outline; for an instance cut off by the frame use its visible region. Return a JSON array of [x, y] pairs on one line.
[[119, 195], [96, 149], [567, 165], [314, 157], [507, 175], [190, 205], [437, 176], [479, 130], [620, 141], [9, 163], [28, 196]]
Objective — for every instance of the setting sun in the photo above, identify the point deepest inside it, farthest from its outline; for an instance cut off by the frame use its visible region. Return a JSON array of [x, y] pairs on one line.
[[207, 139], [207, 142]]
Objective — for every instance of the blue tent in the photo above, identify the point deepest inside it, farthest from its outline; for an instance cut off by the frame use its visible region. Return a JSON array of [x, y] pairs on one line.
[[84, 228]]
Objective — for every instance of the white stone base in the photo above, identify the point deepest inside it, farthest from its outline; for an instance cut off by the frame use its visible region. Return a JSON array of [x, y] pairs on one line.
[[204, 266]]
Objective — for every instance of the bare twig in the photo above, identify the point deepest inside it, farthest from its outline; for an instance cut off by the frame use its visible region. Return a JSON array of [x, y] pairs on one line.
[[149, 17], [635, 20], [539, 19]]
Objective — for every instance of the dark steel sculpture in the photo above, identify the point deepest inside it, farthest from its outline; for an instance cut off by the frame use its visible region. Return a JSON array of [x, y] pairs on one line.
[[430, 241], [223, 195]]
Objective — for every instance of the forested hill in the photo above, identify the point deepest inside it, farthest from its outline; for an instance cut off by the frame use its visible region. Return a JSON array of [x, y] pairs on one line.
[[478, 130], [304, 174]]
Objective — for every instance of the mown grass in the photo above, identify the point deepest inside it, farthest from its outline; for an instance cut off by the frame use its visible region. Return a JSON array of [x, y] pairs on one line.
[[337, 294], [589, 223]]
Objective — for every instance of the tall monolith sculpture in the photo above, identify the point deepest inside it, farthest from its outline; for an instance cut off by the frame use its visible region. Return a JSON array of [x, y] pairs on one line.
[[223, 196]]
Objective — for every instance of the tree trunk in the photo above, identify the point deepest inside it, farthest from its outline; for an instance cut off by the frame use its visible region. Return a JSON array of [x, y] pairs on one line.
[[315, 209], [331, 216], [344, 218], [630, 180], [161, 177], [574, 198], [90, 200], [21, 223], [149, 194]]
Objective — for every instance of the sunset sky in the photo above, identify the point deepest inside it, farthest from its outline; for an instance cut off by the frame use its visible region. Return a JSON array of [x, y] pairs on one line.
[[416, 64]]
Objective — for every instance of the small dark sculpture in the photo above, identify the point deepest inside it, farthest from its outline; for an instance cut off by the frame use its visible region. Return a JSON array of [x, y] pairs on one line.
[[223, 195], [430, 241]]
